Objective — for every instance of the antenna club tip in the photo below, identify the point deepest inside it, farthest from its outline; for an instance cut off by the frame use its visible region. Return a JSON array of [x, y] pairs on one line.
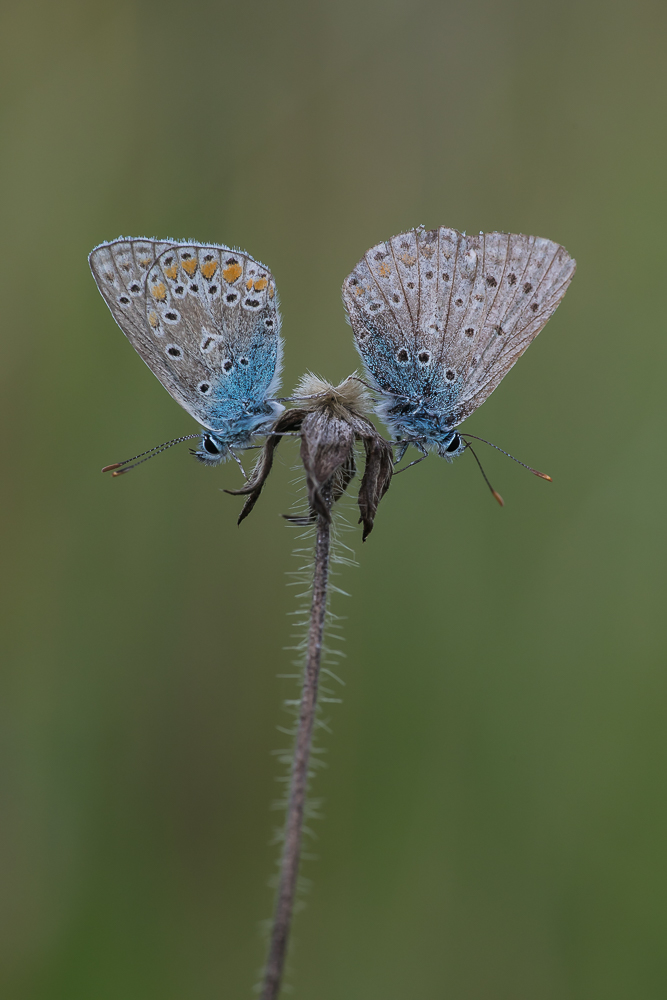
[[496, 495], [120, 472], [108, 468], [543, 475]]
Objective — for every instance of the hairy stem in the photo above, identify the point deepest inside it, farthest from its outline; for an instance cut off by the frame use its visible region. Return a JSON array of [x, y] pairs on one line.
[[289, 868]]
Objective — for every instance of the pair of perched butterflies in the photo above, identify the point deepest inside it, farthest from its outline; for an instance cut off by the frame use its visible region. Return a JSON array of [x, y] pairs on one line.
[[439, 318]]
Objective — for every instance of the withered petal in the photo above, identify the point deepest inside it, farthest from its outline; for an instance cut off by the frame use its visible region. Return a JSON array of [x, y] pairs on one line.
[[290, 420], [376, 479], [327, 443]]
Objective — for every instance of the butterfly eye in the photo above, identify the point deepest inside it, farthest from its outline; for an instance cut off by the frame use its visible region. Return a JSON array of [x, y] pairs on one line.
[[211, 445], [454, 444]]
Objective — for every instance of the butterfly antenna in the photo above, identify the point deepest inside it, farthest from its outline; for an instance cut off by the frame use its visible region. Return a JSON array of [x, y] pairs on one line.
[[119, 468], [373, 388], [535, 472], [486, 478]]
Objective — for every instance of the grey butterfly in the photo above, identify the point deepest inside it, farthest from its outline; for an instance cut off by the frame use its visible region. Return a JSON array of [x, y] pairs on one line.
[[439, 318], [205, 320]]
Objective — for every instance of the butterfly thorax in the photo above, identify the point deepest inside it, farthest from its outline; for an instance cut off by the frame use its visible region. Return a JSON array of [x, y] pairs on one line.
[[233, 420], [425, 422], [237, 430]]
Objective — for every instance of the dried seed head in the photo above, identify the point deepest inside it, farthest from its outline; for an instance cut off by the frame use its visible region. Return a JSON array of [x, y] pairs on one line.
[[330, 420], [314, 393]]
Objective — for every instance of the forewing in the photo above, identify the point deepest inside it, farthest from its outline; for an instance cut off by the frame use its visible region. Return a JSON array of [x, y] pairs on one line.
[[205, 321]]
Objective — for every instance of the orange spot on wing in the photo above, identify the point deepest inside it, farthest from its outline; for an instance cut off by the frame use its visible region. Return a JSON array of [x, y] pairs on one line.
[[384, 270], [152, 319], [271, 292], [209, 269], [189, 266], [261, 284], [159, 292], [248, 284], [145, 263], [232, 272], [171, 272], [408, 259]]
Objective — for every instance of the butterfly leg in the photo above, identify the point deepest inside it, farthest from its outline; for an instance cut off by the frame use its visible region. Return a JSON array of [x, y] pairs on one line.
[[404, 444], [238, 462], [402, 447]]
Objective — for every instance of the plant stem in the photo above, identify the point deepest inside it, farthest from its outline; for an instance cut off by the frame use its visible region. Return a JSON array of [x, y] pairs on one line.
[[289, 868]]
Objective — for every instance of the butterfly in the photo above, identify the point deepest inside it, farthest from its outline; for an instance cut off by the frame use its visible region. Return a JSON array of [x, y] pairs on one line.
[[205, 320], [439, 318]]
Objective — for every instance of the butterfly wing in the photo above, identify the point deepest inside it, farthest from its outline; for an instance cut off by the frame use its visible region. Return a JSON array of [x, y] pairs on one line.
[[510, 286], [204, 319], [381, 297], [442, 316]]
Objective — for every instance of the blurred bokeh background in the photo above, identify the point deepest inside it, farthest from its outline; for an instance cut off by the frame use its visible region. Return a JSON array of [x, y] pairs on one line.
[[496, 817]]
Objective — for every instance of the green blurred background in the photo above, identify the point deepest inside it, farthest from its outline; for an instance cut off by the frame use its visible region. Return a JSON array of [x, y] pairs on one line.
[[496, 817]]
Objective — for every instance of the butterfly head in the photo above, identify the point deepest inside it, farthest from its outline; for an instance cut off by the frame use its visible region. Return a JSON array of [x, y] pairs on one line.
[[212, 450], [451, 445]]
